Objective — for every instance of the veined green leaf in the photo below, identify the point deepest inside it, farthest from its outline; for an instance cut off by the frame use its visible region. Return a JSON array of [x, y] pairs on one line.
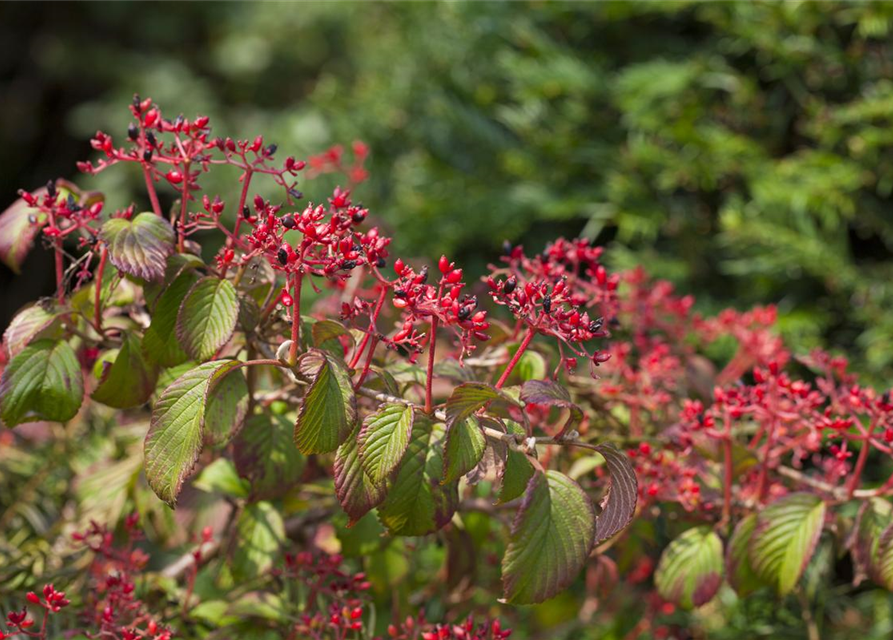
[[207, 317], [785, 538], [261, 531], [356, 491], [129, 381], [875, 516], [31, 323], [265, 454], [551, 538], [417, 504], [160, 342], [383, 440], [329, 408], [690, 569], [471, 396], [42, 382], [740, 574], [139, 247], [176, 431], [517, 471], [464, 448], [225, 409]]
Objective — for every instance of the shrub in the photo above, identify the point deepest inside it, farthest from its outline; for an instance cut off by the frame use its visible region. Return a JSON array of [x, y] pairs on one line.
[[284, 369]]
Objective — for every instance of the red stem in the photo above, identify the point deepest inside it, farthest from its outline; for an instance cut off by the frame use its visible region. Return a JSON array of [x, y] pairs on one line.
[[246, 181], [514, 361], [860, 461], [366, 364], [97, 301], [181, 232], [359, 351], [150, 187], [295, 317], [429, 380], [728, 461]]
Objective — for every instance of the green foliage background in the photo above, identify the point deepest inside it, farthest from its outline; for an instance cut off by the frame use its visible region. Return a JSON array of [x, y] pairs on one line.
[[742, 150]]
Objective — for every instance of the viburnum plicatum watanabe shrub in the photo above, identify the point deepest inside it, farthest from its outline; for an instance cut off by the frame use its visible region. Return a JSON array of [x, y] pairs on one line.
[[139, 317], [414, 399]]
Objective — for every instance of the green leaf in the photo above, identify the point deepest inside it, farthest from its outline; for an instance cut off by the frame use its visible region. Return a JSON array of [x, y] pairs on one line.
[[176, 431], [471, 396], [226, 408], [31, 323], [552, 394], [207, 317], [619, 505], [42, 382], [326, 333], [875, 516], [464, 448], [160, 342], [883, 570], [517, 471], [740, 574], [139, 247], [221, 477], [129, 381], [356, 491], [265, 454], [530, 366], [690, 569], [383, 440], [417, 504], [260, 532], [552, 535], [785, 537], [329, 408]]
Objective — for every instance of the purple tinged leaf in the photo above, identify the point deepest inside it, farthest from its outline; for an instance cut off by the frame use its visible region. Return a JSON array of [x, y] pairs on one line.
[[552, 535], [689, 572], [552, 394], [356, 491], [619, 504], [785, 537], [140, 246]]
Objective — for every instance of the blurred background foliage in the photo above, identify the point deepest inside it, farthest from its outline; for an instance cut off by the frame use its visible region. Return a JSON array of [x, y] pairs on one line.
[[742, 150]]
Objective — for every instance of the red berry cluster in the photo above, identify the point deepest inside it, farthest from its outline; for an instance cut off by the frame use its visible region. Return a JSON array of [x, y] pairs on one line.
[[443, 303], [112, 606], [332, 161], [419, 629], [552, 294]]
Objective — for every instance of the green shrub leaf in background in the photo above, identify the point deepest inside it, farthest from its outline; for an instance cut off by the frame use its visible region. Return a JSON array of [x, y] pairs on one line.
[[738, 569], [42, 382], [129, 381], [552, 535], [265, 454], [261, 532], [690, 569], [784, 538]]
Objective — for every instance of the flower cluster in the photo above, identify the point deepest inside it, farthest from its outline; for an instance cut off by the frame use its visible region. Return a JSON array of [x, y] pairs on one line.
[[112, 606], [444, 304], [419, 629], [552, 294]]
